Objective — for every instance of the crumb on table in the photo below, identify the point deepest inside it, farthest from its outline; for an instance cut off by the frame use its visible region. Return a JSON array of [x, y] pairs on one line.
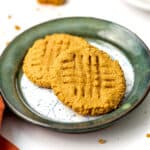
[[17, 27], [148, 135], [101, 141], [7, 43], [9, 16]]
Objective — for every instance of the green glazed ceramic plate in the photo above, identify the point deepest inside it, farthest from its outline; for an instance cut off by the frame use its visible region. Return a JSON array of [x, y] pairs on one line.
[[41, 106]]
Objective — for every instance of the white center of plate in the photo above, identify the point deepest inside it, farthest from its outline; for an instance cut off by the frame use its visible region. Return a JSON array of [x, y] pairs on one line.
[[47, 104]]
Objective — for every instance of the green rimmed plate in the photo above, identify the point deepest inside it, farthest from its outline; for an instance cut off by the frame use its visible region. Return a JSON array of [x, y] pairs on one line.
[[40, 106]]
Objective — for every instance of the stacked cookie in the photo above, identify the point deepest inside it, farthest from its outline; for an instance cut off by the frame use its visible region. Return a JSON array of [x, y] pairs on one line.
[[83, 77]]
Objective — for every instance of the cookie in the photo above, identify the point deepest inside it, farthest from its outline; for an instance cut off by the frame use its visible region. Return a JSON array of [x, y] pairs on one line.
[[42, 54], [54, 2], [88, 81]]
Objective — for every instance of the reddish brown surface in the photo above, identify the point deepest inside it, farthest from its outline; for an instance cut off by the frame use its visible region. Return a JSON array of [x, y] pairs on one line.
[[2, 107], [4, 144]]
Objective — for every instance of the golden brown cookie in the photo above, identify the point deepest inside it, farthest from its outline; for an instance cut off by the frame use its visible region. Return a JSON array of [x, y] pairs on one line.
[[43, 53], [54, 2], [88, 81]]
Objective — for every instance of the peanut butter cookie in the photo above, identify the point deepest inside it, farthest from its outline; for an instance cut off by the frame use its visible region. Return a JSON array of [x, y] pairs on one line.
[[41, 55], [88, 81]]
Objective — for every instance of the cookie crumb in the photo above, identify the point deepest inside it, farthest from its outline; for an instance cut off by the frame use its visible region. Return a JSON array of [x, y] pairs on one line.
[[9, 16], [7, 43], [17, 27], [101, 141], [148, 135]]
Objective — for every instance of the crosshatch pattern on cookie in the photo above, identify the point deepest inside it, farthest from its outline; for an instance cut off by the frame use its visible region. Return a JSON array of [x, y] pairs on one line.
[[88, 81], [43, 53]]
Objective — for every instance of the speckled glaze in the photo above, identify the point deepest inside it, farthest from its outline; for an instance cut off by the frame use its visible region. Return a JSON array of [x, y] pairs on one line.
[[16, 89]]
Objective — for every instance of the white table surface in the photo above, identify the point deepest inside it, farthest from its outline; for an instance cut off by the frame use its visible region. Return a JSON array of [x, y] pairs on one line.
[[126, 134]]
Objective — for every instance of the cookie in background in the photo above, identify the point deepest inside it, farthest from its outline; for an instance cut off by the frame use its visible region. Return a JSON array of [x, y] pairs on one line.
[[53, 2]]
